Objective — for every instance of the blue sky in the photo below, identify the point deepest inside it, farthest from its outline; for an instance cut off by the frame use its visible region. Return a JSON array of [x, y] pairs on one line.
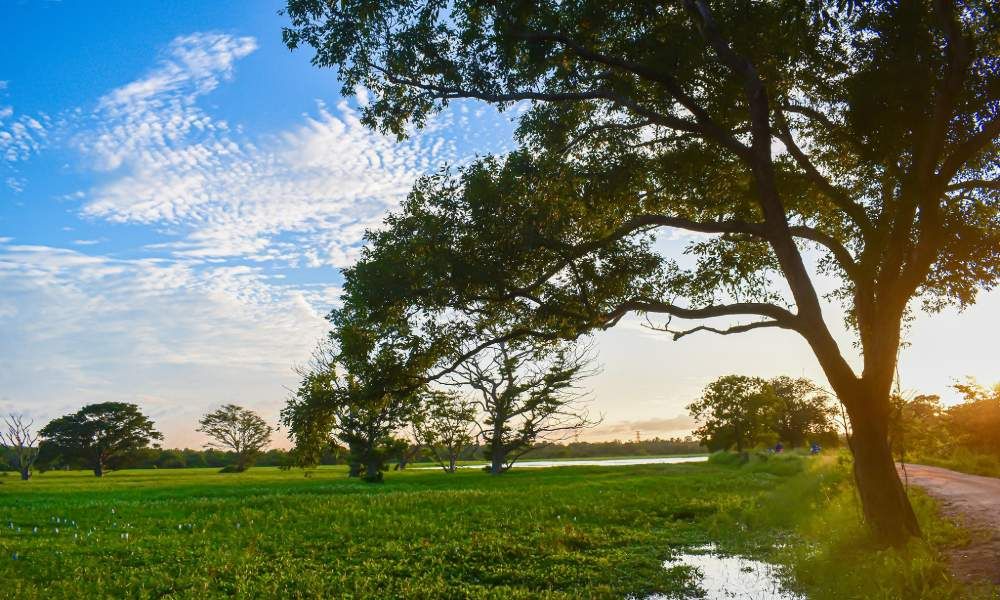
[[178, 192]]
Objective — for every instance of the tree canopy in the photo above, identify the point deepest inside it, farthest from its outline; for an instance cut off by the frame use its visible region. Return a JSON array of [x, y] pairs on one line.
[[527, 395], [735, 411], [857, 140], [361, 408], [102, 436], [239, 429]]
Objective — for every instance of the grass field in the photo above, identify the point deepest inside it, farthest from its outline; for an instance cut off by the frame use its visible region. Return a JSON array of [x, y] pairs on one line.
[[570, 532]]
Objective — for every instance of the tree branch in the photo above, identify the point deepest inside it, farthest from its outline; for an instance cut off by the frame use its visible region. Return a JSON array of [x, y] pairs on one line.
[[840, 198], [975, 184], [678, 334], [781, 316]]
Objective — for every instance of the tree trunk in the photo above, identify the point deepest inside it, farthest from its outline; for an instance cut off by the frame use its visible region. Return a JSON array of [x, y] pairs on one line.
[[884, 501], [451, 463], [498, 458], [25, 473], [373, 471], [99, 469]]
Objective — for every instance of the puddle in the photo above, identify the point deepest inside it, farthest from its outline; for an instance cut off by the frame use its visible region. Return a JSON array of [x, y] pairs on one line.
[[730, 577], [610, 462]]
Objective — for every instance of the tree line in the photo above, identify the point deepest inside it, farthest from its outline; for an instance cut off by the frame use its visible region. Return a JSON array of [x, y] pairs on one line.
[[965, 435], [23, 450], [115, 435]]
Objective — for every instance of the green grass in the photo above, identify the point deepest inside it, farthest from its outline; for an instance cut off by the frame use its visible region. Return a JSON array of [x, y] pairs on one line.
[[965, 461], [571, 532]]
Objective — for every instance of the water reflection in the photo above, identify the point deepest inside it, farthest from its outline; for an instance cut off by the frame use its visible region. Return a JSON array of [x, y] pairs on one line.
[[731, 577], [610, 462]]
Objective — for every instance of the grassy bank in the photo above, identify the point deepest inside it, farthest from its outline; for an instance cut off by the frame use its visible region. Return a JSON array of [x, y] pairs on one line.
[[816, 520], [963, 460], [572, 532]]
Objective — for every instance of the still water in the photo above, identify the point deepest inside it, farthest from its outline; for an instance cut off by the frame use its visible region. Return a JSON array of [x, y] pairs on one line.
[[730, 577], [610, 462]]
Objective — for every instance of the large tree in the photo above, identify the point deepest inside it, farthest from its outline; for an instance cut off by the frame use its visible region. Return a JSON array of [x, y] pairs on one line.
[[102, 436], [239, 430], [855, 139]]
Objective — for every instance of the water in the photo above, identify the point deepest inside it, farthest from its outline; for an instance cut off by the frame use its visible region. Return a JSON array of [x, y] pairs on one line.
[[731, 577], [611, 462]]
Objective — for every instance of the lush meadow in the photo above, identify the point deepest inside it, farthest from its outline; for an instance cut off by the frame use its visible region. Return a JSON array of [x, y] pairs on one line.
[[569, 532]]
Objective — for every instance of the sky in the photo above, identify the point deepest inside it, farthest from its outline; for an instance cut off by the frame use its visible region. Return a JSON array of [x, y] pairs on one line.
[[178, 193]]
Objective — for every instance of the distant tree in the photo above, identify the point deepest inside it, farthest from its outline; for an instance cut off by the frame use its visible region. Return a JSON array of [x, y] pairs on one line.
[[21, 444], [171, 459], [239, 430], [194, 458], [446, 426], [975, 423], [918, 427], [527, 392], [101, 436], [800, 411], [734, 411]]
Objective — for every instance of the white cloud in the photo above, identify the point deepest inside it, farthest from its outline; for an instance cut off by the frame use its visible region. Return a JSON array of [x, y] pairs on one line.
[[303, 196], [80, 328], [21, 136], [220, 313]]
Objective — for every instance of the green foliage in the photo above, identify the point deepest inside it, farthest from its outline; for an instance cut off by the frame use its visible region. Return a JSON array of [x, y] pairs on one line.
[[100, 436], [744, 412], [357, 410], [833, 556], [237, 429], [976, 422], [643, 118], [964, 437], [734, 412], [865, 131], [617, 448], [801, 413], [575, 532], [445, 425]]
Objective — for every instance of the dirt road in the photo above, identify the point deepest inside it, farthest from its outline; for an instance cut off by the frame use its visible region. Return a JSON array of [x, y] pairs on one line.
[[975, 502]]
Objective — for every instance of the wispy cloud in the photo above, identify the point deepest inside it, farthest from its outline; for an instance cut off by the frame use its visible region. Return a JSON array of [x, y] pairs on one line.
[[80, 328], [302, 196], [647, 428], [211, 308], [21, 136]]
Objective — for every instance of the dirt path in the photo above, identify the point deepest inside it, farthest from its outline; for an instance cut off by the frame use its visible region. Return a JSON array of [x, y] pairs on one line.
[[975, 502]]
